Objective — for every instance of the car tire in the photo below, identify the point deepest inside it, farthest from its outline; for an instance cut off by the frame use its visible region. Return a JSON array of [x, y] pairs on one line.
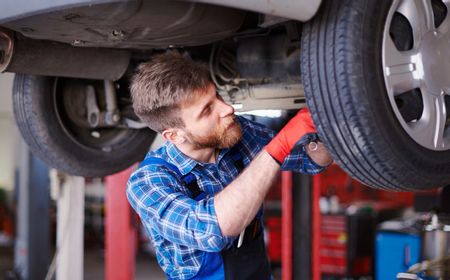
[[345, 88], [52, 137]]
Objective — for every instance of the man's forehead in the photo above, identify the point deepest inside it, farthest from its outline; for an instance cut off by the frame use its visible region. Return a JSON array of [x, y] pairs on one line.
[[198, 97]]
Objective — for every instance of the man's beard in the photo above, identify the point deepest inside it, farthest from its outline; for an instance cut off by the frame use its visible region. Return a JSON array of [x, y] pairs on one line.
[[224, 136]]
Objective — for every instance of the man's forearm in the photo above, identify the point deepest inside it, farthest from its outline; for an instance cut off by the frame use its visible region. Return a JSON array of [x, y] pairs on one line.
[[239, 202]]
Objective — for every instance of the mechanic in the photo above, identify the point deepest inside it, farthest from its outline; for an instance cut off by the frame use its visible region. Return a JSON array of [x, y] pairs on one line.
[[201, 209]]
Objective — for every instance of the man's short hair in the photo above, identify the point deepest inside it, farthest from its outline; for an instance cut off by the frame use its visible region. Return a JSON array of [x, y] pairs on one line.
[[161, 85]]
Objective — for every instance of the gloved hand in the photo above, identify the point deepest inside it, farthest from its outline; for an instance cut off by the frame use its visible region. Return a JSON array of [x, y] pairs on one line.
[[282, 144]]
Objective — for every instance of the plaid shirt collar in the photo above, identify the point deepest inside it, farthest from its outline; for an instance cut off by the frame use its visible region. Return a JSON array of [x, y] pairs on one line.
[[184, 163]]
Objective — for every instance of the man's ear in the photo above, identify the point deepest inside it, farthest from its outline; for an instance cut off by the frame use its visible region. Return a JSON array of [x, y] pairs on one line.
[[176, 136]]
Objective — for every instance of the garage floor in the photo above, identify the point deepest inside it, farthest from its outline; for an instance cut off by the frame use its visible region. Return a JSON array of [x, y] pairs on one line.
[[146, 266]]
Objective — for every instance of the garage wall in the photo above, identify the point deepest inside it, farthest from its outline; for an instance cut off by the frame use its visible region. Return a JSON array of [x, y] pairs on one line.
[[8, 133]]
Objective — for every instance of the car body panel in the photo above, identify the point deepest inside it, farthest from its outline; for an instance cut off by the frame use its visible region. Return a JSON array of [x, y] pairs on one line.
[[139, 24], [132, 25], [301, 10]]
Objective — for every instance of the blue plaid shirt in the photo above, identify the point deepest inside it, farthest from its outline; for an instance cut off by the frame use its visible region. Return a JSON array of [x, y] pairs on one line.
[[181, 228]]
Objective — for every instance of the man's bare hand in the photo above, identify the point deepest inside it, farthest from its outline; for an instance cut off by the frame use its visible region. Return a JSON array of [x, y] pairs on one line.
[[319, 153]]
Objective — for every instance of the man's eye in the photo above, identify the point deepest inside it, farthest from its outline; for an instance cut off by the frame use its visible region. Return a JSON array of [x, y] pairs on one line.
[[206, 111]]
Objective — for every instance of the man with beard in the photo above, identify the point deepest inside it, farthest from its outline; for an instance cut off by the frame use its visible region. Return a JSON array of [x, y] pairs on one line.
[[200, 194]]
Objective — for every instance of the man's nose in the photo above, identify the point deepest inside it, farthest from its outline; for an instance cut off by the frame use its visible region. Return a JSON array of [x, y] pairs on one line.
[[226, 109]]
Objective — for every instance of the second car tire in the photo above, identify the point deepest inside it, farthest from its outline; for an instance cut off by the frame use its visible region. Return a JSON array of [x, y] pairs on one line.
[[38, 116]]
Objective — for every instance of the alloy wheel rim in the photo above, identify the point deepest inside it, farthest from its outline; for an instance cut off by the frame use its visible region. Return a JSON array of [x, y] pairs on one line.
[[423, 68]]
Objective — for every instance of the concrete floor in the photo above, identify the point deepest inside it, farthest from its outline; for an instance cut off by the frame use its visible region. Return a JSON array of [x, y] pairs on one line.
[[146, 266]]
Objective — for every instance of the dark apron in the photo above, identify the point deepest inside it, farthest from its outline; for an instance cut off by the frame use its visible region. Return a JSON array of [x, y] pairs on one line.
[[248, 261]]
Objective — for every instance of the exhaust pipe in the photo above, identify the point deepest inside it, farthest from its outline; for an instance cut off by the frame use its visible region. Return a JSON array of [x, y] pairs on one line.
[[38, 57]]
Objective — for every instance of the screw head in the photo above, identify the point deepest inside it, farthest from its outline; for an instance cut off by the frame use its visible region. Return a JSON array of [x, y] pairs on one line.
[[117, 33], [77, 42]]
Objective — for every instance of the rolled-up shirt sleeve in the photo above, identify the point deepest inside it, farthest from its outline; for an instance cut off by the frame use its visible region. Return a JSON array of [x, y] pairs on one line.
[[299, 161], [176, 217]]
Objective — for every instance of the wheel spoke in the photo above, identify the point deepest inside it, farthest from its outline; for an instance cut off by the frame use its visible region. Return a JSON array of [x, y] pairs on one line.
[[402, 73], [420, 15], [431, 130]]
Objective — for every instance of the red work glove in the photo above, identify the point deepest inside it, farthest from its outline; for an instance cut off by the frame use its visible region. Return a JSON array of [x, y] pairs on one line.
[[282, 144]]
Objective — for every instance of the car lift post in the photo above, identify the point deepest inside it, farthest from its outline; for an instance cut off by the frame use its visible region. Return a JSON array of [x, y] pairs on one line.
[[32, 245], [120, 229], [70, 228], [316, 221], [286, 225], [304, 228]]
